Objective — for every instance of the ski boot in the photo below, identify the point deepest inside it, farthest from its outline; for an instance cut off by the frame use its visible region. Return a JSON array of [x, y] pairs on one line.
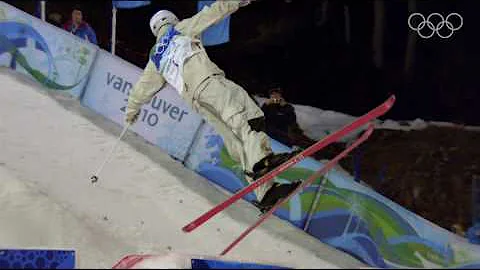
[[271, 162], [277, 191]]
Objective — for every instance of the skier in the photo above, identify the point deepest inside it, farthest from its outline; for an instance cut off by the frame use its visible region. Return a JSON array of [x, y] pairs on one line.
[[179, 59]]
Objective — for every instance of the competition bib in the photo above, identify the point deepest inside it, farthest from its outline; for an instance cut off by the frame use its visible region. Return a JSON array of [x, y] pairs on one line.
[[169, 55]]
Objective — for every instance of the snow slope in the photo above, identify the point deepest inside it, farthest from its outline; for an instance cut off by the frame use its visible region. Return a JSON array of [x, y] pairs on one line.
[[50, 146]]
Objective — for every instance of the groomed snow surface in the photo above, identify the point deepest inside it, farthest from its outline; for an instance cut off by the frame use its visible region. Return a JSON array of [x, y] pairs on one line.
[[50, 146]]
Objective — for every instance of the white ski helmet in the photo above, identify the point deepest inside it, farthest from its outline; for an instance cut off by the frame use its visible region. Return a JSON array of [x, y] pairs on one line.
[[161, 18]]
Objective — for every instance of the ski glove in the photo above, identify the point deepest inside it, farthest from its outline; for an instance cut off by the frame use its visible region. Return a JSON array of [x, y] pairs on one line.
[[244, 2], [131, 115]]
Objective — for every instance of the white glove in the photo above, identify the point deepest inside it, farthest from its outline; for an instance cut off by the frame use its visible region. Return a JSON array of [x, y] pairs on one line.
[[244, 2], [131, 115]]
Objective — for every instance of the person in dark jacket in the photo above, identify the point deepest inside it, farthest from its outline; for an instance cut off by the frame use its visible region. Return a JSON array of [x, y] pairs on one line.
[[281, 121], [79, 27]]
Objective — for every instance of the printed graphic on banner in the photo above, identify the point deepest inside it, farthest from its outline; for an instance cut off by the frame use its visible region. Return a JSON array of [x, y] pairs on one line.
[[36, 259], [165, 121], [348, 216], [51, 56]]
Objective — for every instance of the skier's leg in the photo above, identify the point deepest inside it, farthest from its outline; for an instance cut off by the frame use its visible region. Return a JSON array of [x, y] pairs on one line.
[[229, 110], [230, 105], [240, 122]]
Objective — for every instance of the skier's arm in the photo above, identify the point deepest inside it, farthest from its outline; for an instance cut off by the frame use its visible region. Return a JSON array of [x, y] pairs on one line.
[[149, 83], [209, 16]]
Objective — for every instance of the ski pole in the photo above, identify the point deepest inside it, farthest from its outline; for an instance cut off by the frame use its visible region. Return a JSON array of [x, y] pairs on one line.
[[94, 177], [315, 202]]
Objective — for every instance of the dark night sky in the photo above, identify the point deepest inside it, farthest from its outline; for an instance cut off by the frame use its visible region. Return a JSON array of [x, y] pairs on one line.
[[278, 43]]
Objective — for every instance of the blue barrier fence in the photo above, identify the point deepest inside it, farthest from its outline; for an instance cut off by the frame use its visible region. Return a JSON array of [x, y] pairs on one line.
[[349, 216]]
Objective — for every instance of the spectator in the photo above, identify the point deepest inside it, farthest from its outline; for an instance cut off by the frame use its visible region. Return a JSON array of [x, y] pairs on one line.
[[281, 121], [79, 27]]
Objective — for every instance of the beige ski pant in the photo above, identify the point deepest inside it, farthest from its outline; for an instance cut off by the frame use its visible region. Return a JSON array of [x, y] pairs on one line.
[[228, 107]]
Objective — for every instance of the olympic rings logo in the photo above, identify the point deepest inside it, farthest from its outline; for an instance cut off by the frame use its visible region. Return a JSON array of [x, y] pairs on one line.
[[432, 28]]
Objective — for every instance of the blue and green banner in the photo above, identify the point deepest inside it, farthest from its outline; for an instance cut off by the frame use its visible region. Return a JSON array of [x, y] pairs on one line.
[[349, 216], [49, 55], [166, 121]]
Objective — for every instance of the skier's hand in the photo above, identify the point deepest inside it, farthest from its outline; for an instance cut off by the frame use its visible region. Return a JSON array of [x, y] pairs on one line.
[[131, 116], [245, 2]]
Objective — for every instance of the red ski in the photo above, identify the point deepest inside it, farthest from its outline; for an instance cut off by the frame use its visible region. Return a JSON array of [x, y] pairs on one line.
[[303, 185], [358, 123]]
